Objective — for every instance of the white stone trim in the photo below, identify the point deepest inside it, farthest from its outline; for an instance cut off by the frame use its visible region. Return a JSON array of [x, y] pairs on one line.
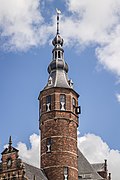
[[57, 152]]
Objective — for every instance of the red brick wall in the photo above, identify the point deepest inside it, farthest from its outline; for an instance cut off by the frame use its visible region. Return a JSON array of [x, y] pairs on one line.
[[61, 127], [13, 170]]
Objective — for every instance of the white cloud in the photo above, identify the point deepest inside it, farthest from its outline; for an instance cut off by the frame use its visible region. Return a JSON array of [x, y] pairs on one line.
[[89, 22], [118, 97], [97, 23], [30, 155], [92, 146], [96, 150], [19, 22]]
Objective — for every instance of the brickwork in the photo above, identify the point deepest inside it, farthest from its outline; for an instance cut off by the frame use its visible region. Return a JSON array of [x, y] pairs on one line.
[[58, 172], [61, 127], [13, 169]]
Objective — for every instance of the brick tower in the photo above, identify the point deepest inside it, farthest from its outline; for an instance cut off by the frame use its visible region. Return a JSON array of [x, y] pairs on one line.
[[58, 107]]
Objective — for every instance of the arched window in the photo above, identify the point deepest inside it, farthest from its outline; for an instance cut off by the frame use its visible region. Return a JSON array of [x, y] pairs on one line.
[[55, 54], [58, 54], [62, 102]]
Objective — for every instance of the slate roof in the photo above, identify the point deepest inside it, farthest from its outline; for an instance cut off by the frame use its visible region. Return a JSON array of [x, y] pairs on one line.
[[58, 68], [34, 172], [59, 79], [85, 169], [98, 167]]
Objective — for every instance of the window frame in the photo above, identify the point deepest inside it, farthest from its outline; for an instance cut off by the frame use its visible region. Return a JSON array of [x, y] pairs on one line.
[[62, 100], [48, 144], [65, 173], [48, 103]]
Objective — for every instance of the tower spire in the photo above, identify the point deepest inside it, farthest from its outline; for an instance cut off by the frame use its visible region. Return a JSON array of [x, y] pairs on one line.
[[58, 118], [58, 68], [58, 20]]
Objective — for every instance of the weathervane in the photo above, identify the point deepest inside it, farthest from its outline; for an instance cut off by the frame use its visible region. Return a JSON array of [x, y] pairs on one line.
[[58, 22]]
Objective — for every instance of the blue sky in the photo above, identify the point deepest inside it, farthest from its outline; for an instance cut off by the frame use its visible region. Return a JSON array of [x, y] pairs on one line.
[[91, 51]]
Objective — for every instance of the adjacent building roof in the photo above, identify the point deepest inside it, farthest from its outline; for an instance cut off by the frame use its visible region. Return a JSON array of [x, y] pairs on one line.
[[34, 172], [85, 169], [98, 166]]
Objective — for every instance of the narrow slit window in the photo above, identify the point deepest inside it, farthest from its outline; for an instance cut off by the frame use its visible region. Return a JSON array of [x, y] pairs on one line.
[[74, 104], [49, 142], [62, 102], [48, 103], [62, 54], [65, 173], [55, 54], [40, 108], [58, 54]]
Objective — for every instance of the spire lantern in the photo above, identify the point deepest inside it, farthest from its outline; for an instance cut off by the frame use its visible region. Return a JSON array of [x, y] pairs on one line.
[[58, 68]]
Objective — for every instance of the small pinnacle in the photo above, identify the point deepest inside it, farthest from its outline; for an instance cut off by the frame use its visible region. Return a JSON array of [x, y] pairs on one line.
[[34, 177], [10, 141]]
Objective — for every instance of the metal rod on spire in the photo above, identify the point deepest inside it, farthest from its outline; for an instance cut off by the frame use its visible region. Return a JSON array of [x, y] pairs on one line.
[[58, 20], [10, 143]]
